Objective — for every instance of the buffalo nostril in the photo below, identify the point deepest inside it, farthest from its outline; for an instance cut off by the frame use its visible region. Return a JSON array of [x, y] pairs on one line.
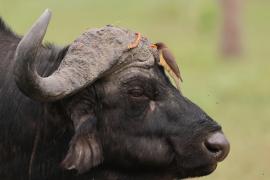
[[218, 145]]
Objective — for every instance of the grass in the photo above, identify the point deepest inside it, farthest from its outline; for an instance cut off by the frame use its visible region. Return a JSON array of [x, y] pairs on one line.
[[235, 92]]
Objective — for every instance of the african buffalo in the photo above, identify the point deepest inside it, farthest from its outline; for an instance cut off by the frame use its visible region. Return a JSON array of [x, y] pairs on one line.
[[97, 110]]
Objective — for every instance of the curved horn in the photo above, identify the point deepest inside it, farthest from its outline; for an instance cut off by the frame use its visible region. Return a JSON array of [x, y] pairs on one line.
[[25, 73], [26, 76], [89, 57]]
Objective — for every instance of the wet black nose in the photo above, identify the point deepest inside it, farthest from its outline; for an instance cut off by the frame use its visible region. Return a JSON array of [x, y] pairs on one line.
[[218, 146]]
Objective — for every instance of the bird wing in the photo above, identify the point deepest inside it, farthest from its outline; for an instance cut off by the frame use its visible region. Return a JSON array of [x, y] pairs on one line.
[[170, 60], [165, 65]]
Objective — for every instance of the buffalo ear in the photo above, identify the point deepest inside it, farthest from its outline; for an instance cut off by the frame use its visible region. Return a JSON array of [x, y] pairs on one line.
[[85, 149]]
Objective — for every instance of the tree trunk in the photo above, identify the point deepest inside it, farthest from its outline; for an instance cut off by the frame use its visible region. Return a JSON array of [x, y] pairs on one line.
[[231, 34]]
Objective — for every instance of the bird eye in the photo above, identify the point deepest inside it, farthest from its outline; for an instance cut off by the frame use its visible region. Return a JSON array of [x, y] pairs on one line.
[[136, 91]]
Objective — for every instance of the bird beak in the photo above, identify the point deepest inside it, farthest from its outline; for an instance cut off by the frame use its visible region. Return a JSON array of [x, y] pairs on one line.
[[153, 46]]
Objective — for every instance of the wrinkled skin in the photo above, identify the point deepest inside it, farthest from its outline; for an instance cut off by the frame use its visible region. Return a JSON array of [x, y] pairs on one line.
[[150, 127], [131, 124]]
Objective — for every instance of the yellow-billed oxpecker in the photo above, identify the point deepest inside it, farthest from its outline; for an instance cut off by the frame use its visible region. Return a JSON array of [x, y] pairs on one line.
[[168, 61], [136, 42]]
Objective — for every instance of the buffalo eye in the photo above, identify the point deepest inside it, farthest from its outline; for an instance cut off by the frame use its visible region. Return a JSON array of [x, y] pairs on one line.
[[136, 92], [137, 101]]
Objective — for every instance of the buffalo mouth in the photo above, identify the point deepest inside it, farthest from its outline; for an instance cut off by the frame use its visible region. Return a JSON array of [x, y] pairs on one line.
[[200, 158], [182, 168], [196, 171]]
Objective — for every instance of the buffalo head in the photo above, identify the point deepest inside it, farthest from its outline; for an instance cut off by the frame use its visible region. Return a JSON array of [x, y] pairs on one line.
[[128, 117]]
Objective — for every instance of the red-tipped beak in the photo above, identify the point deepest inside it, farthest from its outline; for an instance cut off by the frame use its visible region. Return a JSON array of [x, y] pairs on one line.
[[153, 46]]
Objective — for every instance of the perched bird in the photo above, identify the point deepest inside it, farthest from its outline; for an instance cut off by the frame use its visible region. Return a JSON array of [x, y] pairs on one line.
[[168, 61], [136, 42]]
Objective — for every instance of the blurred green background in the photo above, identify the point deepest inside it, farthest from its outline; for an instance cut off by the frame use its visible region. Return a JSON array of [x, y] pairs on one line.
[[235, 91]]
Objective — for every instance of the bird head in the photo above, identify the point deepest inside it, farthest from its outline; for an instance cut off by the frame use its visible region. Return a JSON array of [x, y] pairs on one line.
[[158, 45]]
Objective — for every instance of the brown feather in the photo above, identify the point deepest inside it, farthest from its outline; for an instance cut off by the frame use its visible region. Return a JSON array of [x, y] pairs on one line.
[[165, 65], [168, 62], [169, 58]]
